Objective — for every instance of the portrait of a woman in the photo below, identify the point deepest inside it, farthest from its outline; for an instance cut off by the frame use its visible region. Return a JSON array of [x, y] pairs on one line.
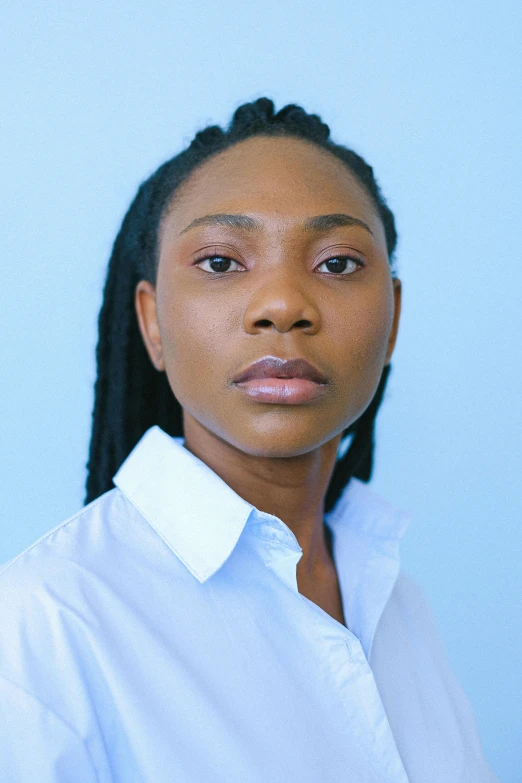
[[229, 604]]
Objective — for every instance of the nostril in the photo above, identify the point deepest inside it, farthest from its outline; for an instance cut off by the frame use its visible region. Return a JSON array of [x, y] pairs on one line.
[[303, 323]]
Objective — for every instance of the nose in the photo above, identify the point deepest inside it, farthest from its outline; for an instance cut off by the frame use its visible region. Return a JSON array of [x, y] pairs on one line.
[[281, 304]]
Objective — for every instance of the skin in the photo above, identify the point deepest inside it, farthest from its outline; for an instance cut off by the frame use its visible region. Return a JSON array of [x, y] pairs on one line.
[[279, 298]]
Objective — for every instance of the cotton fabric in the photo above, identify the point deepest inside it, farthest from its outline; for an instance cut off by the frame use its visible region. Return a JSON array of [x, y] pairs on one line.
[[158, 635]]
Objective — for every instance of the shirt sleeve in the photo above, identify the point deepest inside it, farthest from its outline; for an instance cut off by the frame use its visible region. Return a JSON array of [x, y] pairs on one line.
[[36, 745]]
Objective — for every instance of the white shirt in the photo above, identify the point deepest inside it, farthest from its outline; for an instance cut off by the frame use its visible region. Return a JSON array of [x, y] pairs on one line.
[[158, 636]]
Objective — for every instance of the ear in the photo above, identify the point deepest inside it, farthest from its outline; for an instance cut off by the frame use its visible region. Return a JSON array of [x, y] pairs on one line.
[[145, 303], [397, 299]]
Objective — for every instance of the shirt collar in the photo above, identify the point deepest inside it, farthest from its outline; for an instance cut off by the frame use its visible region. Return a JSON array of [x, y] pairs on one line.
[[193, 510], [367, 531], [201, 518]]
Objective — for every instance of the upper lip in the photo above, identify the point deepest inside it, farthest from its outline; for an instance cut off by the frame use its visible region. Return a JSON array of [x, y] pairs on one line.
[[274, 367]]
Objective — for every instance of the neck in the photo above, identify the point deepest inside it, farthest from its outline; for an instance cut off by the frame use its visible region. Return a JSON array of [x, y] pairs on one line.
[[290, 488]]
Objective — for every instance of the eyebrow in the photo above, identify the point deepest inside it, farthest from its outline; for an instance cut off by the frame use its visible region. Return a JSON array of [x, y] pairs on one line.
[[318, 224]]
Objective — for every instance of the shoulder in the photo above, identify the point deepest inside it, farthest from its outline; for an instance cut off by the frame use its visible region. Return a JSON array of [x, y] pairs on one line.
[[419, 688], [76, 537], [49, 594], [52, 595], [408, 625], [63, 566], [408, 599]]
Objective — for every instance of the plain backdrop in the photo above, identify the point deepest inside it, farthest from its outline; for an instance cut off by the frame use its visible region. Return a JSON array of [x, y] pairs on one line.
[[96, 94]]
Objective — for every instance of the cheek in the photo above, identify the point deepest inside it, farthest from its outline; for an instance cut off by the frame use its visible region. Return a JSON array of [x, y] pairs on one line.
[[366, 324], [195, 335], [361, 345]]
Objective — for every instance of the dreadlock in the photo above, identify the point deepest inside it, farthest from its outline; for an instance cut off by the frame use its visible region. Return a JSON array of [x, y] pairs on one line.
[[130, 395]]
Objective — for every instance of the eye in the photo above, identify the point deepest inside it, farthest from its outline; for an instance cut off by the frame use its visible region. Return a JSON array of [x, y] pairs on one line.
[[216, 263], [342, 265]]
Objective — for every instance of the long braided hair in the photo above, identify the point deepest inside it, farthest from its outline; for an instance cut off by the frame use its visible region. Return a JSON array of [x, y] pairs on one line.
[[130, 395]]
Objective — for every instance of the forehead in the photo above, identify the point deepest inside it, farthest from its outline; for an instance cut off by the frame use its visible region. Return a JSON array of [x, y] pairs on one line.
[[284, 178]]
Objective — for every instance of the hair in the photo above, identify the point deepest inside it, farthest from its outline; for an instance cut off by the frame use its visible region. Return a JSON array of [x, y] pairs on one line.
[[130, 395]]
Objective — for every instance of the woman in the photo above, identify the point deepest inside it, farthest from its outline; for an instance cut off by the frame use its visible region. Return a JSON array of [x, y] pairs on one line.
[[229, 606]]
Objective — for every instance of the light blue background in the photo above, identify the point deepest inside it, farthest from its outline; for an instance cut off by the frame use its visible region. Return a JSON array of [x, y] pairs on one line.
[[97, 94]]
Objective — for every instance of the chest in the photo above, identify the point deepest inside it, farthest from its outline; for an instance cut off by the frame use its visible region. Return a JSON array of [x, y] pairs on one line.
[[326, 594]]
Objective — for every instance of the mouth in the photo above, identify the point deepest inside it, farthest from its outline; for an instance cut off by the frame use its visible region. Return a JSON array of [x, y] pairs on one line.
[[283, 381]]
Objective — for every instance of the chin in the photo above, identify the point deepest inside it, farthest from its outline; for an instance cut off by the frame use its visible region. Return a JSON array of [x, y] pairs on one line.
[[280, 442]]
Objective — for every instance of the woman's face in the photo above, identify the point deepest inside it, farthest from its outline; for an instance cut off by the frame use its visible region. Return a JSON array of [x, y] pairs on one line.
[[272, 294]]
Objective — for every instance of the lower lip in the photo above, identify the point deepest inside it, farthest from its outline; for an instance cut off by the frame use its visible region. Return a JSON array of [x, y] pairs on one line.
[[284, 391]]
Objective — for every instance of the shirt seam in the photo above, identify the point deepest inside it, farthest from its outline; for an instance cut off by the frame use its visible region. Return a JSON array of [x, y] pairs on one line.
[[55, 715], [73, 518]]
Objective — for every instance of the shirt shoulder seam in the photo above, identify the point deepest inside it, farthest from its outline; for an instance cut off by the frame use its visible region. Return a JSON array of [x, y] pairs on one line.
[[53, 713], [12, 561]]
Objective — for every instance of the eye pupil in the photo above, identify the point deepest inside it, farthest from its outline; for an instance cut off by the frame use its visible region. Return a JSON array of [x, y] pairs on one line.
[[219, 264], [336, 264]]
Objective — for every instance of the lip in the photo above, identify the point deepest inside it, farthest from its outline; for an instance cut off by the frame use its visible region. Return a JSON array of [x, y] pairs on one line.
[[275, 367], [282, 381]]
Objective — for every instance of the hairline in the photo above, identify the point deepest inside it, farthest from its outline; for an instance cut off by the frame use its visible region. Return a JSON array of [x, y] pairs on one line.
[[328, 147]]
